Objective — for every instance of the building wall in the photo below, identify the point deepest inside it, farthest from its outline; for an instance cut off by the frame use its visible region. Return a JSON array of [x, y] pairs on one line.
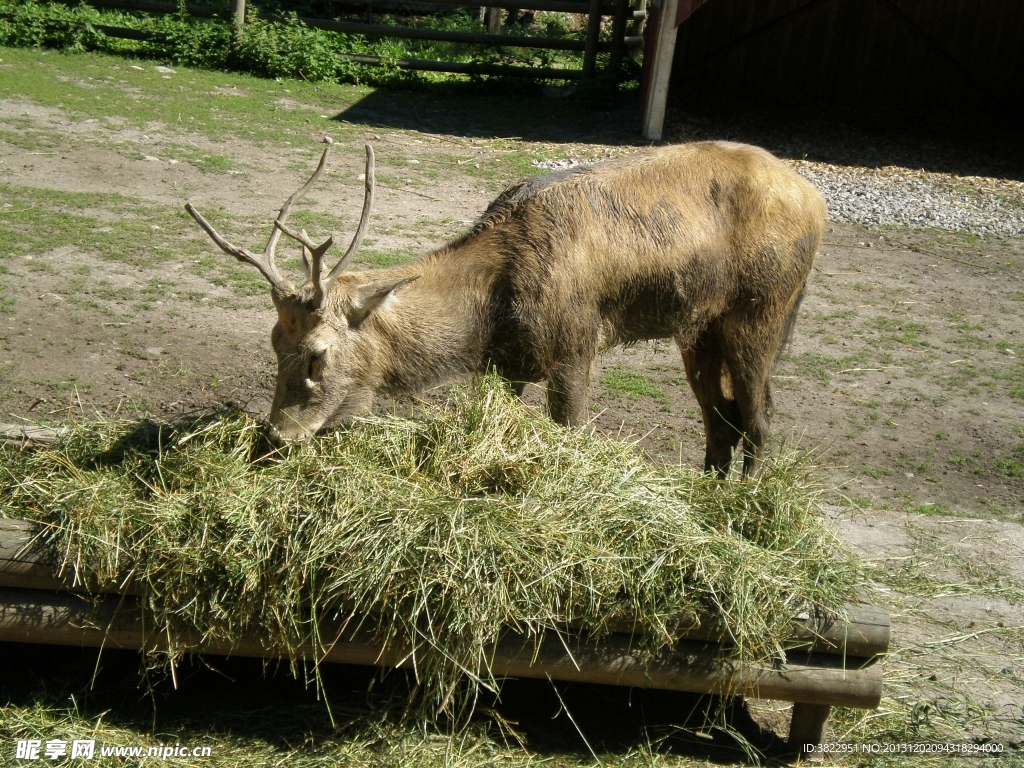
[[921, 54]]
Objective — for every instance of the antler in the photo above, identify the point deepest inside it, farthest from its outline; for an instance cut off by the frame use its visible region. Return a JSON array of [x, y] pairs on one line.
[[264, 263], [312, 253], [364, 217]]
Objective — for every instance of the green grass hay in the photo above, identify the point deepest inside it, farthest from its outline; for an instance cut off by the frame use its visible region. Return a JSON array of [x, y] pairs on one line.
[[442, 532]]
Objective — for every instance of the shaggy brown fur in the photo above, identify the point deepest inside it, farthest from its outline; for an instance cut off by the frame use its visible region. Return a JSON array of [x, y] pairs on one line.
[[710, 244]]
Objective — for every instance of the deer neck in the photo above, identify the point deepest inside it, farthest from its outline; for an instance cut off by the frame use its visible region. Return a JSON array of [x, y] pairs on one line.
[[435, 330]]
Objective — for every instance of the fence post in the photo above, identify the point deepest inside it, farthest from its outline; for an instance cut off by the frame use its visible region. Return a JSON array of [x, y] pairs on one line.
[[618, 37], [593, 32], [493, 20], [238, 15], [658, 67], [637, 28]]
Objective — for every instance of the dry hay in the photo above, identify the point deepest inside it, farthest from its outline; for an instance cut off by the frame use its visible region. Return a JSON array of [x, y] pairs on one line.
[[441, 532]]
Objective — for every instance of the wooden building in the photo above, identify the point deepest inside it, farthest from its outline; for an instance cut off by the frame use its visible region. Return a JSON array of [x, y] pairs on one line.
[[951, 56], [942, 55]]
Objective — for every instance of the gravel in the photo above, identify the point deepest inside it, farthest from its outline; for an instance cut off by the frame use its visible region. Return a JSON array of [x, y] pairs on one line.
[[919, 199], [897, 196]]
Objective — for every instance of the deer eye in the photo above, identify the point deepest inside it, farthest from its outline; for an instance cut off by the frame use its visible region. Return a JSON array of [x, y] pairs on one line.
[[316, 366]]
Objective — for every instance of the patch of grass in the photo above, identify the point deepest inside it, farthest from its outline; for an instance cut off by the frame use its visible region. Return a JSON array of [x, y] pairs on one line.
[[381, 259], [48, 219], [877, 472], [6, 302], [119, 93], [108, 89], [1014, 464], [209, 162], [929, 508], [902, 331], [822, 368], [632, 384], [118, 228], [318, 221], [29, 139]]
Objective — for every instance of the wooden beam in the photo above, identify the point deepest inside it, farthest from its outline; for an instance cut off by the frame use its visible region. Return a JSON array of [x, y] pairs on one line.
[[591, 43], [618, 37], [36, 616], [660, 72], [27, 436]]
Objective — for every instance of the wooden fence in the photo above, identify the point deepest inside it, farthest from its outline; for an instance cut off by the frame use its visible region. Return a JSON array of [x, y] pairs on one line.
[[621, 12]]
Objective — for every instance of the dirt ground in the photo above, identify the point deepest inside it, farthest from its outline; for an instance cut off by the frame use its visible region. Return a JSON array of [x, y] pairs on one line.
[[906, 367]]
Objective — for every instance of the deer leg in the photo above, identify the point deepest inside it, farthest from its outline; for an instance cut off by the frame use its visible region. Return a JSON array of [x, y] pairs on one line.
[[706, 372], [567, 385], [750, 364]]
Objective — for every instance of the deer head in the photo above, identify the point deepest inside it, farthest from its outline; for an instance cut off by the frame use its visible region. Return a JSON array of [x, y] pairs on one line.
[[320, 362]]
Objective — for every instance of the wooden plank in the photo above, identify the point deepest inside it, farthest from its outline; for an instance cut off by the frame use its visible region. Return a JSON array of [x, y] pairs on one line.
[[819, 80], [618, 34], [797, 65], [847, 73], [26, 563], [656, 102], [1011, 64], [720, 22], [36, 616], [593, 32], [987, 44], [886, 74], [759, 31], [745, 23], [26, 436], [699, 33], [417, 33], [944, 34], [895, 75], [862, 51], [944, 69], [875, 80], [727, 25], [834, 63], [778, 41]]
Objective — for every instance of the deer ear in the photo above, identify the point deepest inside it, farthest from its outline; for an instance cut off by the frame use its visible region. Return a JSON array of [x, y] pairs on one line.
[[369, 296]]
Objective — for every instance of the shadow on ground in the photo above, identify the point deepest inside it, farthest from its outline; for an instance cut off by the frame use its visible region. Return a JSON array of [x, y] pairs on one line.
[[229, 704], [967, 145], [511, 111]]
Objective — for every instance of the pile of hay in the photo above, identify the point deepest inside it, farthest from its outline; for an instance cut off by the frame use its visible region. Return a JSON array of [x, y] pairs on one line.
[[441, 531]]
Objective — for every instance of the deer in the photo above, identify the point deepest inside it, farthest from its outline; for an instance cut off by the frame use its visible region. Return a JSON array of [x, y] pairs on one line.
[[709, 244]]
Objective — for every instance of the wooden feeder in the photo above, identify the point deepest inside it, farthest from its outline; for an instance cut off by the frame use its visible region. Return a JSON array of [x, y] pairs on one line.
[[829, 663]]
